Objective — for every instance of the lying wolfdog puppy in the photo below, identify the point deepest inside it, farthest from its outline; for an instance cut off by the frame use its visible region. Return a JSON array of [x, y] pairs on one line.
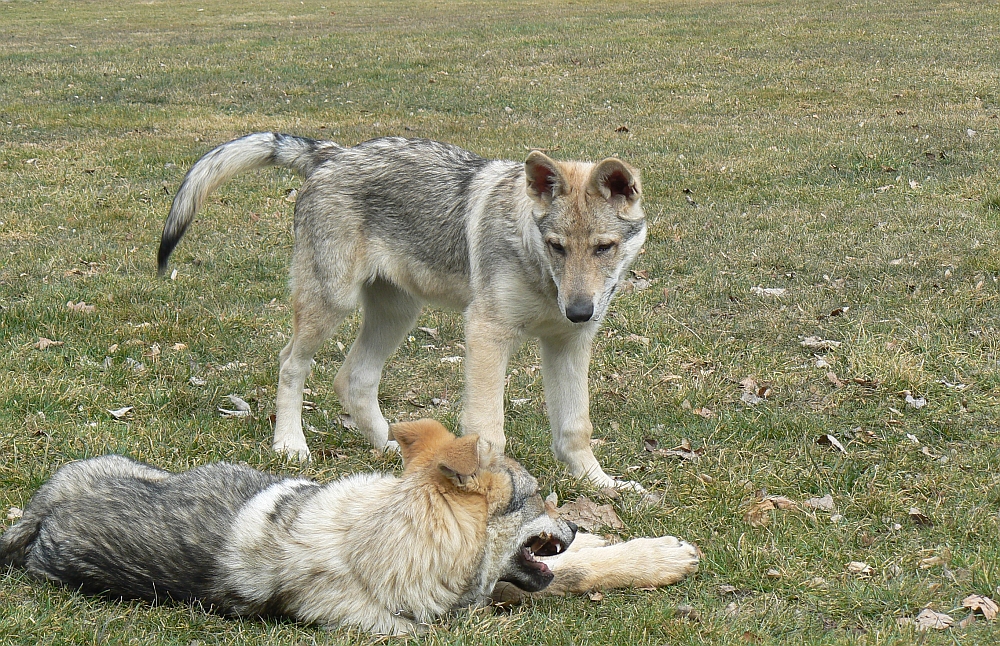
[[370, 550], [385, 554], [533, 249]]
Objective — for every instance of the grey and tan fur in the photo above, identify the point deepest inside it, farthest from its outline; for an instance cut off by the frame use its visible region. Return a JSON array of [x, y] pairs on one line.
[[523, 249], [370, 550], [381, 553]]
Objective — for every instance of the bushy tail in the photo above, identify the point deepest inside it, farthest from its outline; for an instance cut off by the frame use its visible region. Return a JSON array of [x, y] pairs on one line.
[[15, 541], [223, 163]]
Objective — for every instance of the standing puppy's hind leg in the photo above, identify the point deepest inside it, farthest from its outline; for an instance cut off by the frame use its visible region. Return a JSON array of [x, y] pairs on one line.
[[388, 314]]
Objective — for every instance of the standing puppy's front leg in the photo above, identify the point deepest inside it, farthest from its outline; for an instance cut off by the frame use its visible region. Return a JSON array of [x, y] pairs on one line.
[[489, 343], [565, 361]]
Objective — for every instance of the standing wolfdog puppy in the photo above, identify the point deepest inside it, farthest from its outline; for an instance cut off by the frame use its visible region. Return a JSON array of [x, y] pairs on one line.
[[535, 249], [370, 550]]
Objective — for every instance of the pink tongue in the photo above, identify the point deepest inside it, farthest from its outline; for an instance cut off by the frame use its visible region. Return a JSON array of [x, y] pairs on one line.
[[530, 560]]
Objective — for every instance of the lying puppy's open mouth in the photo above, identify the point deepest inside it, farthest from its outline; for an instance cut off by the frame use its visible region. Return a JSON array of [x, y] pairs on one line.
[[543, 544]]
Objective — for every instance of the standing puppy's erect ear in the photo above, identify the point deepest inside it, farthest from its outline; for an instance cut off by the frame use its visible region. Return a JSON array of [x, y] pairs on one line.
[[460, 459], [615, 180], [545, 181]]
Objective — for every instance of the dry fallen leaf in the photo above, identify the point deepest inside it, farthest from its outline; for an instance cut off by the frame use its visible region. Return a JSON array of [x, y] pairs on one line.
[[638, 282], [81, 307], [865, 382], [44, 343], [179, 346], [919, 518], [682, 451], [704, 412], [860, 568], [119, 413], [768, 291], [16, 512], [928, 619], [429, 331], [589, 515], [821, 504], [596, 596], [688, 612], [759, 514], [818, 344], [975, 602], [197, 381], [240, 408], [828, 440], [916, 403], [968, 621], [411, 398], [753, 393]]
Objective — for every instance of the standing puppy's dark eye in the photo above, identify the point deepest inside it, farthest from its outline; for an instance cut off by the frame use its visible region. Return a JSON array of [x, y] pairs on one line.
[[602, 249], [557, 248]]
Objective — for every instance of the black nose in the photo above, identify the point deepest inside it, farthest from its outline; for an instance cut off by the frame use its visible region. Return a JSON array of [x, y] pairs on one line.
[[580, 310]]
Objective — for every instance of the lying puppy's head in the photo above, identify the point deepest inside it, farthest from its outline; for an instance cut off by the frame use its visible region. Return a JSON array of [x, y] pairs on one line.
[[527, 531], [517, 527]]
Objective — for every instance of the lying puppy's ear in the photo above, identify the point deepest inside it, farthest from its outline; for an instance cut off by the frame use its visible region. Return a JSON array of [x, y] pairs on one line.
[[460, 459], [415, 437]]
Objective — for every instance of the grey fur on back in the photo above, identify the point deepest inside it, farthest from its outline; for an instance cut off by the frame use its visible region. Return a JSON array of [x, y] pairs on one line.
[[183, 520], [402, 185]]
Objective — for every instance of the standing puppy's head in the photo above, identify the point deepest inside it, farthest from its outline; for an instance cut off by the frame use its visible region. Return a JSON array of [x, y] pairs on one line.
[[592, 226]]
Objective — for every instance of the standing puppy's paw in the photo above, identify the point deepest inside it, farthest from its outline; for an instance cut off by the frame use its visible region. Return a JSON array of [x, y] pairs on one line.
[[628, 485], [597, 477], [292, 450]]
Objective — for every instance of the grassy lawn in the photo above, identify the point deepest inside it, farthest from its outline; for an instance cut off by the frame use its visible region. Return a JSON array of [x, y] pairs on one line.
[[845, 153]]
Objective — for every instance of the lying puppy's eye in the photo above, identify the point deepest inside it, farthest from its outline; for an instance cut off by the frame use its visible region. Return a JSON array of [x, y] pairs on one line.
[[603, 249], [557, 248]]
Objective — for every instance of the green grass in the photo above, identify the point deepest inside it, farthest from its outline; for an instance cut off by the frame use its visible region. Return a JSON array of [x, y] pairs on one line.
[[844, 152]]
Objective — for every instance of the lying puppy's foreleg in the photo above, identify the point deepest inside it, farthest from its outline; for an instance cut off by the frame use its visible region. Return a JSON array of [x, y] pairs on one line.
[[591, 564]]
